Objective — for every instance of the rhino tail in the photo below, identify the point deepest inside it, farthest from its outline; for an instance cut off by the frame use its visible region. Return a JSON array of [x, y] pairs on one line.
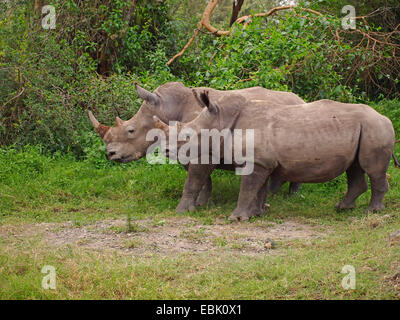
[[396, 162]]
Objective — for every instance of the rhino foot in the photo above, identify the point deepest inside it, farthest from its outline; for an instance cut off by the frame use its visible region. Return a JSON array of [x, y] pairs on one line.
[[341, 205], [186, 205], [205, 193], [202, 199], [375, 207], [244, 215], [238, 218]]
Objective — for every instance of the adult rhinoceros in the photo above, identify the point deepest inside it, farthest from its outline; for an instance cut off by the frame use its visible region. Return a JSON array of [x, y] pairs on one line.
[[126, 141], [312, 142]]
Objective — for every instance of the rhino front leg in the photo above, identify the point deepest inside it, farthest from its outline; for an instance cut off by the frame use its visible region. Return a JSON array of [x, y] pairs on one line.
[[205, 193], [195, 180], [262, 196], [251, 193]]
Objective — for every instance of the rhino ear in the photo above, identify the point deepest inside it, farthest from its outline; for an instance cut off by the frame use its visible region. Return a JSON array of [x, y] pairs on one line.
[[227, 111], [198, 99], [206, 102], [148, 96]]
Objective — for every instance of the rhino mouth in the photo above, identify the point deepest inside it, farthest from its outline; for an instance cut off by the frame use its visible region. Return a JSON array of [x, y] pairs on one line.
[[124, 159]]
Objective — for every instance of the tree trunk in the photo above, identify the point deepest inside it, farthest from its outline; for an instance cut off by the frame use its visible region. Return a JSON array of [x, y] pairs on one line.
[[237, 5]]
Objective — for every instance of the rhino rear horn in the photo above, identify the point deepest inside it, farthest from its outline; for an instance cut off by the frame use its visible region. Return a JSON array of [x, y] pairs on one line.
[[159, 124], [118, 121], [100, 128], [148, 96]]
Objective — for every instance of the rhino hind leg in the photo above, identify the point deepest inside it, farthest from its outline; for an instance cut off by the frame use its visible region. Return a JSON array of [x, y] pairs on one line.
[[356, 185], [252, 195], [379, 187], [376, 165], [205, 193]]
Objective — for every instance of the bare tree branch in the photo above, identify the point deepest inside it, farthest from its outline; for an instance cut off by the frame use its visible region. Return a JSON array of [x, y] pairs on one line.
[[205, 22]]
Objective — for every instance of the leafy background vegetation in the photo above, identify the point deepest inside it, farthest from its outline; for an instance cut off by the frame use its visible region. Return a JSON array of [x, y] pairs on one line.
[[49, 78], [53, 166]]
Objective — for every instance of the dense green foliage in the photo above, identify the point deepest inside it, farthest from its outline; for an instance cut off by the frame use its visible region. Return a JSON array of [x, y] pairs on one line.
[[50, 78], [57, 71], [292, 55]]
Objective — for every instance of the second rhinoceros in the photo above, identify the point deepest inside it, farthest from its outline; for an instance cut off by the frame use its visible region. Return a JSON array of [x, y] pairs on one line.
[[126, 140], [311, 142]]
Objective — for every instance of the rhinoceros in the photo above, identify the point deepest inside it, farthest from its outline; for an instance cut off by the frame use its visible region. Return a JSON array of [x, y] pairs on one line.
[[308, 143], [173, 101]]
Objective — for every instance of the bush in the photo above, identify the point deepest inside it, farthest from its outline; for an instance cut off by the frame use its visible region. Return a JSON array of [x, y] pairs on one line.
[[300, 52], [286, 53], [50, 78]]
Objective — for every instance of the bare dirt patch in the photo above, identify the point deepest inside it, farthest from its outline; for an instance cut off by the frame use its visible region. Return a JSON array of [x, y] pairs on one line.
[[168, 237]]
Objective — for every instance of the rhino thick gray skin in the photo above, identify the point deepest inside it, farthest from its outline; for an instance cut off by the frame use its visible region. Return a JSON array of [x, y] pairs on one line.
[[312, 142], [126, 141]]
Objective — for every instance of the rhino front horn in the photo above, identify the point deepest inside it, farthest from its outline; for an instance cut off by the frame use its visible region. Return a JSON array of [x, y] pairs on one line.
[[100, 128]]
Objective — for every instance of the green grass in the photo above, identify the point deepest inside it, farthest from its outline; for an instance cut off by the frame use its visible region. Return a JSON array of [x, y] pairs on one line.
[[35, 188]]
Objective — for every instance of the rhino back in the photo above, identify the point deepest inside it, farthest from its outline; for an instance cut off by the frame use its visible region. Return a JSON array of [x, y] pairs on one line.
[[312, 142], [179, 104], [257, 94]]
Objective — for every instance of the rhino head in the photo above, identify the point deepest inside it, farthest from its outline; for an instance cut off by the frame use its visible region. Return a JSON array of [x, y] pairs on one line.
[[126, 140], [218, 115], [215, 117]]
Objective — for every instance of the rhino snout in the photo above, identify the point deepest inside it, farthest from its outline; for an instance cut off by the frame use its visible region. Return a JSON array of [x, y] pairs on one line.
[[114, 157], [111, 153]]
